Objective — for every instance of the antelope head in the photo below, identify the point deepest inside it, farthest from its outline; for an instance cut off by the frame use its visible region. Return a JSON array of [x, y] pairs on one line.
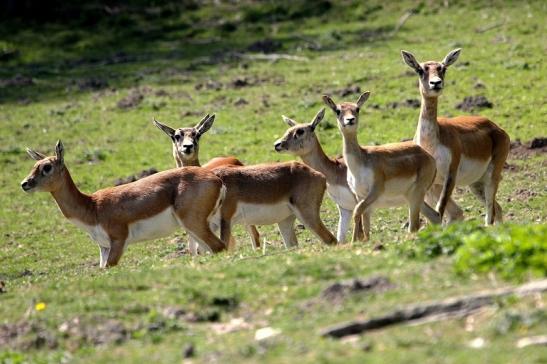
[[299, 139], [47, 173], [347, 113], [431, 73], [186, 140]]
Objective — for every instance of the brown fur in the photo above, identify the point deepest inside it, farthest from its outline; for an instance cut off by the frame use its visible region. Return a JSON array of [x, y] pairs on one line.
[[192, 189], [192, 136], [301, 139], [387, 162], [292, 182], [474, 137]]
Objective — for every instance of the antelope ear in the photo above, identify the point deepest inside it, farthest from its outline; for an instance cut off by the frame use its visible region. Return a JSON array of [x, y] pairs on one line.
[[364, 97], [451, 57], [37, 156], [411, 61], [330, 103], [205, 124], [317, 119], [166, 129], [288, 121], [60, 151]]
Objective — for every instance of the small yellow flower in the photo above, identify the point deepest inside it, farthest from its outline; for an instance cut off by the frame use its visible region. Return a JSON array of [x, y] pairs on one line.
[[40, 306]]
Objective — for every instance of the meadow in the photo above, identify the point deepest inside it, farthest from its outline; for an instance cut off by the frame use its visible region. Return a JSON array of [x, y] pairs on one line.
[[96, 81]]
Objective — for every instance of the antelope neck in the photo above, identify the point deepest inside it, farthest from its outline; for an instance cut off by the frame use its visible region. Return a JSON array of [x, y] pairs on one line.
[[318, 160], [73, 203], [428, 127], [353, 153]]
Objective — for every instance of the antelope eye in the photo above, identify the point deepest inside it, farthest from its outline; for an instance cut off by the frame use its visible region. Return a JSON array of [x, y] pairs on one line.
[[177, 137], [300, 132], [439, 68], [426, 68], [337, 111], [357, 110], [47, 168]]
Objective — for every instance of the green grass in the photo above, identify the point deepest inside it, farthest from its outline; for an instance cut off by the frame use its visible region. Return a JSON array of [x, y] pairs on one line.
[[43, 258]]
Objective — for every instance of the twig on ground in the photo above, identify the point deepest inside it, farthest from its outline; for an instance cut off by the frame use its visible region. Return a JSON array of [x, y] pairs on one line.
[[489, 27], [459, 306], [402, 20]]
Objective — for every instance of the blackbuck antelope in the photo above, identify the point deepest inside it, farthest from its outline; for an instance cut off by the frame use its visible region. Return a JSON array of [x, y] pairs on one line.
[[386, 175], [468, 150], [274, 193], [186, 153], [149, 208], [301, 140]]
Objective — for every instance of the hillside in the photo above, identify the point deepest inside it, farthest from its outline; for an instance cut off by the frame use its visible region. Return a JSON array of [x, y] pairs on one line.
[[97, 77]]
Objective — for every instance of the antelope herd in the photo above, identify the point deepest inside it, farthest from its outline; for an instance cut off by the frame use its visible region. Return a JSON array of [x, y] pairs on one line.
[[445, 152]]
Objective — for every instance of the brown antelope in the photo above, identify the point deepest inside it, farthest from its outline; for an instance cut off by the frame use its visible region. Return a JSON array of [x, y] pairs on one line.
[[386, 175], [274, 193], [468, 150], [265, 194], [301, 140], [186, 153], [149, 208]]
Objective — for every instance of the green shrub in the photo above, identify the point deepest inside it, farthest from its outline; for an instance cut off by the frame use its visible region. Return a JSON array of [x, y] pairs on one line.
[[513, 251], [437, 240]]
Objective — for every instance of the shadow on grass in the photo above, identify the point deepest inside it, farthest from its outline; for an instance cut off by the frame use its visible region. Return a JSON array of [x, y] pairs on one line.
[[103, 46]]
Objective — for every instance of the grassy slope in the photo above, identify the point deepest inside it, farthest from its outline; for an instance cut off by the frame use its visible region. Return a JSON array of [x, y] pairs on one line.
[[357, 48]]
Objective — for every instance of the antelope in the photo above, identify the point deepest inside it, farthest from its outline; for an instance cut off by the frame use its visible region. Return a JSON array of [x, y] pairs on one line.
[[468, 150], [186, 153], [265, 194], [386, 175], [273, 193], [301, 140], [149, 208]]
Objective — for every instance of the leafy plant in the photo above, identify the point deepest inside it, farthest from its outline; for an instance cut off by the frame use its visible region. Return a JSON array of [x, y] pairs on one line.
[[513, 251], [437, 240]]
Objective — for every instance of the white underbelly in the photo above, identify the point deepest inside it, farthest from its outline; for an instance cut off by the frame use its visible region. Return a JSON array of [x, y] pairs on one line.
[[261, 214], [342, 196], [471, 170], [154, 227], [95, 232], [394, 192]]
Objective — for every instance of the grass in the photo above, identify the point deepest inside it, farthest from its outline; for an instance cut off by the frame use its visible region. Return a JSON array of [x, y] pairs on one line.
[[45, 259]]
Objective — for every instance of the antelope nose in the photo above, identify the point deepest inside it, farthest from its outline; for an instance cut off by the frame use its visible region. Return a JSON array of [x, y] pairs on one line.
[[26, 185], [349, 120], [277, 146], [436, 83], [187, 148]]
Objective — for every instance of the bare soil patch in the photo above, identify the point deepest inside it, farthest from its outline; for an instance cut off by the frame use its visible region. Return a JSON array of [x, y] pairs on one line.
[[265, 46], [412, 103], [528, 149], [471, 103], [17, 81], [133, 178]]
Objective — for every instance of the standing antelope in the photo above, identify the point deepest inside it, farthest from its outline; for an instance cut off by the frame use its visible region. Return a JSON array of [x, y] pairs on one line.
[[265, 194], [186, 153], [386, 175], [273, 193], [149, 208], [300, 139], [468, 150]]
